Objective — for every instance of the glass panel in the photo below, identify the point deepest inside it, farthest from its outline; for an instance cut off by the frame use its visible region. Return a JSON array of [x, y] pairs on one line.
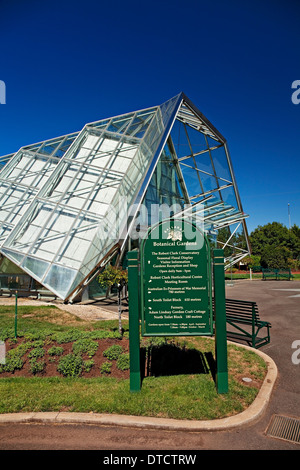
[[221, 163], [5, 159], [119, 124], [193, 182], [22, 178], [35, 266], [197, 139], [8, 267], [164, 189], [13, 256], [180, 140], [59, 279]]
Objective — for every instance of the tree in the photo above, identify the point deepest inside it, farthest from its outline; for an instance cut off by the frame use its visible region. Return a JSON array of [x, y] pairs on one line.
[[295, 230], [277, 245], [252, 261], [114, 276], [275, 257], [270, 234]]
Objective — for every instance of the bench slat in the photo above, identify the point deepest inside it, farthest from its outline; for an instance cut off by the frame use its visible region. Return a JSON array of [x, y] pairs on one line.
[[243, 312]]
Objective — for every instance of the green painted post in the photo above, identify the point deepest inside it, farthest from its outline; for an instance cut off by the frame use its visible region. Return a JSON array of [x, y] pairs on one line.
[[253, 326], [220, 322], [16, 313], [134, 330]]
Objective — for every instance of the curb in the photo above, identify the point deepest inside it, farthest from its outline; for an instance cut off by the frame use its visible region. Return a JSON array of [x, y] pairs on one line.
[[251, 414]]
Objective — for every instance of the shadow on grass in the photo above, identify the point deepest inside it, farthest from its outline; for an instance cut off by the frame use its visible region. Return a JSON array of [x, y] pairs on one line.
[[170, 359]]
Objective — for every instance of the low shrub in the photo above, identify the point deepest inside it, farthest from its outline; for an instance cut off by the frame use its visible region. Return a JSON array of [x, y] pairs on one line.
[[85, 345], [36, 352], [7, 333], [13, 361], [70, 365], [22, 348], [87, 365], [103, 334], [106, 367], [36, 335], [36, 366], [123, 362], [38, 343], [55, 351], [113, 352], [68, 336]]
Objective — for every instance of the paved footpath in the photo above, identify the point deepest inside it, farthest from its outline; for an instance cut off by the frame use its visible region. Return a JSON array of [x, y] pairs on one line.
[[279, 303]]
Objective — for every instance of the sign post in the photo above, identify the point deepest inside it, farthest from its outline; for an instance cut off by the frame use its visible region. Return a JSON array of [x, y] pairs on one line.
[[16, 313], [134, 328], [172, 293]]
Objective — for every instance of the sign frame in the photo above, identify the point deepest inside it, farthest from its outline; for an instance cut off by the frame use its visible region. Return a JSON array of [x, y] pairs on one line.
[[135, 316]]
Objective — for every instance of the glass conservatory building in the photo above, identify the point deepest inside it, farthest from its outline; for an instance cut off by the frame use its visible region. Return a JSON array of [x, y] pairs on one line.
[[72, 204]]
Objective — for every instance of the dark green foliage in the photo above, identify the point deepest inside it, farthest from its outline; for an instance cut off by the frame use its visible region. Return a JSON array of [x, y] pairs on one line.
[[123, 362], [55, 351], [278, 246], [36, 352], [85, 345], [13, 361], [87, 365], [106, 367], [36, 366], [113, 352]]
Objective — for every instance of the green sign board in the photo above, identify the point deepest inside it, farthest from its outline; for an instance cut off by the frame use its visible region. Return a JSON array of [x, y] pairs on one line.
[[175, 280]]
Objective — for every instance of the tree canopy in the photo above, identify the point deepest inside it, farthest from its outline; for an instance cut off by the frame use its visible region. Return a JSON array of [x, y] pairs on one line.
[[278, 246]]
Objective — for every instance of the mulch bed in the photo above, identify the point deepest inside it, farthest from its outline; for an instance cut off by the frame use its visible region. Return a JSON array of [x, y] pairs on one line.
[[50, 369]]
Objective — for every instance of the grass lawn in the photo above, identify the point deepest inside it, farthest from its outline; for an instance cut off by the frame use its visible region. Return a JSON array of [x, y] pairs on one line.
[[179, 384]]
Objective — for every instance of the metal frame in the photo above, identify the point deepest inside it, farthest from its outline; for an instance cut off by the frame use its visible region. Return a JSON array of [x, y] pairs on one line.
[[106, 160]]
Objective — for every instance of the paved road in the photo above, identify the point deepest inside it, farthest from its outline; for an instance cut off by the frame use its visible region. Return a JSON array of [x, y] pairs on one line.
[[278, 304]]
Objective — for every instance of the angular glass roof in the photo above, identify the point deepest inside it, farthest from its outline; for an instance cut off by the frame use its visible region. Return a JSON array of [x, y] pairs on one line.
[[69, 204]]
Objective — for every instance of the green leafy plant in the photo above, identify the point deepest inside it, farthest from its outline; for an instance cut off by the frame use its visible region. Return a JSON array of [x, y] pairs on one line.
[[37, 335], [22, 348], [103, 334], [55, 351], [87, 365], [113, 352], [38, 343], [123, 362], [36, 366], [13, 361], [7, 333], [85, 345], [106, 367], [70, 365], [68, 336], [36, 352]]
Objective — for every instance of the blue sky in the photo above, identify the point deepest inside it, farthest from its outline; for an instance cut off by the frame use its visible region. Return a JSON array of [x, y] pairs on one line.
[[68, 63]]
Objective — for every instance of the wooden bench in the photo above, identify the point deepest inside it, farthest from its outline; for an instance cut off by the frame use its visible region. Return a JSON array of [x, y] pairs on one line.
[[277, 274], [244, 324], [269, 273]]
